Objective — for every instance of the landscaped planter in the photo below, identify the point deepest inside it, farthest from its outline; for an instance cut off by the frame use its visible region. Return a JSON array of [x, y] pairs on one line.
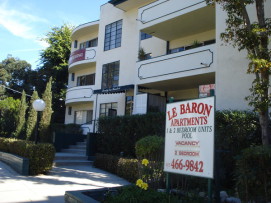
[[88, 196]]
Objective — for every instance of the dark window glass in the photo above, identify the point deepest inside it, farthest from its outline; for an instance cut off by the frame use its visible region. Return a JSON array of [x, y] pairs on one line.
[[75, 43], [110, 76], [70, 111], [90, 43], [86, 80], [108, 109], [72, 77], [144, 36], [113, 33], [129, 105]]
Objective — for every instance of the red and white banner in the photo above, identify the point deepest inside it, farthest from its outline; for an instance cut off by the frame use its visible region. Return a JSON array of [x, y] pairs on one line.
[[78, 55], [189, 144]]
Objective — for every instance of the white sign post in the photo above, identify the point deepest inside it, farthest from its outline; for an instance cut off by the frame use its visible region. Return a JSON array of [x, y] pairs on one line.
[[189, 144]]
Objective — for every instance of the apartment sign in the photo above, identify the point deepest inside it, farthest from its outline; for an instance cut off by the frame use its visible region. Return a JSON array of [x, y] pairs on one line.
[[189, 142]]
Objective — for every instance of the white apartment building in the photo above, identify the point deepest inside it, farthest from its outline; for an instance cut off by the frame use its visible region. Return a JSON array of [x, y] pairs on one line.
[[183, 58]]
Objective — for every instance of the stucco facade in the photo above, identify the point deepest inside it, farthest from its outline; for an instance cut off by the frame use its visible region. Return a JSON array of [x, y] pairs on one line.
[[184, 55]]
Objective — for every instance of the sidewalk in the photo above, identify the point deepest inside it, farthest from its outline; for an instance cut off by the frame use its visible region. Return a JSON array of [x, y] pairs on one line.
[[15, 188]]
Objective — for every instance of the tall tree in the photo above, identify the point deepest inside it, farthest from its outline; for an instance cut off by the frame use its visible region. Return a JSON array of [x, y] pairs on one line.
[[54, 63], [15, 74], [32, 118], [20, 121], [253, 37], [44, 126]]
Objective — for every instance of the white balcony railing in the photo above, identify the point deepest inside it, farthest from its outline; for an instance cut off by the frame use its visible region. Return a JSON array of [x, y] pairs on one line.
[[164, 10], [79, 94], [178, 64], [83, 56]]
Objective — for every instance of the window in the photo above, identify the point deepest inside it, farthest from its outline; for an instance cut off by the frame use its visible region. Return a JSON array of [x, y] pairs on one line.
[[110, 76], [83, 117], [90, 43], [72, 76], [70, 111], [129, 105], [75, 43], [144, 36], [108, 109], [86, 80], [113, 33]]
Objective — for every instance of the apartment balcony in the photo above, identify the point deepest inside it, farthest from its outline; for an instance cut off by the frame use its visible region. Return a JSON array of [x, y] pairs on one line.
[[167, 70], [80, 94], [126, 5], [85, 29], [82, 57], [172, 19]]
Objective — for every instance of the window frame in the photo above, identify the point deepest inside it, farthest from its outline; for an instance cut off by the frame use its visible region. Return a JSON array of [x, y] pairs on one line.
[[113, 35], [82, 80], [104, 111], [110, 75]]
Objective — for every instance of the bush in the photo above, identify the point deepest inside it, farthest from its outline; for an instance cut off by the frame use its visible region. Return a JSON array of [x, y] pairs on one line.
[[150, 147], [114, 140], [41, 156], [253, 174], [135, 194], [235, 131], [125, 168]]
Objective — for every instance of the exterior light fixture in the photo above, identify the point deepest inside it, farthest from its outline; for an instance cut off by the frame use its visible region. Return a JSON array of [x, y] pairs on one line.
[[39, 106]]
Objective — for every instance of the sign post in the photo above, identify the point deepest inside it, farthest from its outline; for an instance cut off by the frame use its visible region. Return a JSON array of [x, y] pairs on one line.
[[189, 143]]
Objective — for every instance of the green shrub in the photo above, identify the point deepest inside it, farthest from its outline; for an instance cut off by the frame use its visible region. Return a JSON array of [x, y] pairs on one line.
[[119, 134], [235, 131], [125, 168], [128, 169], [67, 128], [41, 156], [150, 147], [134, 194], [253, 174]]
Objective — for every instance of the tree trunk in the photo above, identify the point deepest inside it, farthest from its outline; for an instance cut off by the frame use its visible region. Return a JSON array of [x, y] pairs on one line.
[[266, 132]]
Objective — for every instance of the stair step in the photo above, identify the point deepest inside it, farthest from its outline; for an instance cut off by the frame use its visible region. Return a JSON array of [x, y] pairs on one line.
[[81, 143], [76, 151], [78, 147], [70, 156], [72, 162]]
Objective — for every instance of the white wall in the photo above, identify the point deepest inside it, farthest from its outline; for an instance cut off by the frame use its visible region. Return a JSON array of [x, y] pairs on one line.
[[127, 53], [232, 80], [77, 107], [155, 46]]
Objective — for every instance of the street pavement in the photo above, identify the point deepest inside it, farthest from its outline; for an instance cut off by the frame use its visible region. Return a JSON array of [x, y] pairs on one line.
[[15, 188]]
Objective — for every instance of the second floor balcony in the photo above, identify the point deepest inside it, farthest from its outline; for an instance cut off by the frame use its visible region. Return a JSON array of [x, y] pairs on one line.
[[185, 63], [82, 56], [80, 94]]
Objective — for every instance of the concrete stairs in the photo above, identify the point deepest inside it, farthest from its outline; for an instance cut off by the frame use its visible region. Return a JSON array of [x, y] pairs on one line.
[[74, 156]]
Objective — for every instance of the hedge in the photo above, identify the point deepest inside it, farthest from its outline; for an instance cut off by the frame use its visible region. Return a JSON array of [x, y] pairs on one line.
[[119, 134], [40, 156], [125, 168]]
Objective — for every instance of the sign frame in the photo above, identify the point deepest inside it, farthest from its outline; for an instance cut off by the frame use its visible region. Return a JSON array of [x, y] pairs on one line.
[[183, 164]]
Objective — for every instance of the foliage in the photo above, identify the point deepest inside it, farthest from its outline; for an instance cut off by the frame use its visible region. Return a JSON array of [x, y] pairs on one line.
[[20, 121], [45, 122], [40, 156], [32, 118], [67, 128], [126, 168], [54, 63], [15, 74], [112, 140], [141, 54], [254, 38], [235, 131], [8, 112], [253, 174], [135, 194], [150, 147]]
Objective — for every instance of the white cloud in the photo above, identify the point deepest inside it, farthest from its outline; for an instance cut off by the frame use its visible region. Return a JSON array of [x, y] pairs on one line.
[[19, 23]]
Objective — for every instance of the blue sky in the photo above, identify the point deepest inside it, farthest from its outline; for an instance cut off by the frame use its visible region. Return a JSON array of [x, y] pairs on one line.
[[24, 22]]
